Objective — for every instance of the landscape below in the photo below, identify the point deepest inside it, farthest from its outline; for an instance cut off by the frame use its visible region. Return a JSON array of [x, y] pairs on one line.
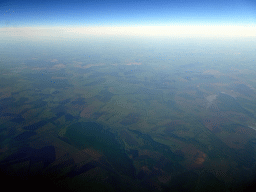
[[127, 126]]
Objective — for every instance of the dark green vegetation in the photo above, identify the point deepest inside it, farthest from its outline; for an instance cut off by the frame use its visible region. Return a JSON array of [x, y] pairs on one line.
[[92, 135], [24, 135], [228, 103], [132, 126]]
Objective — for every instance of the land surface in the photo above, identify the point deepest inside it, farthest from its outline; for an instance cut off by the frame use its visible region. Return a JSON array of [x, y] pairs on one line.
[[128, 125]]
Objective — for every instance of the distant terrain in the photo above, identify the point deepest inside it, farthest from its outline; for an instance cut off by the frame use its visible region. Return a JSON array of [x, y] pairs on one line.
[[128, 125]]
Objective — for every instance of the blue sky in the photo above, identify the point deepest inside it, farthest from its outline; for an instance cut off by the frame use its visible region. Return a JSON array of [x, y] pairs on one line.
[[126, 13]]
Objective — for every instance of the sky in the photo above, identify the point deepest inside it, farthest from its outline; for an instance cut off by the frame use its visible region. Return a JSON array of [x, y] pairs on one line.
[[100, 14]]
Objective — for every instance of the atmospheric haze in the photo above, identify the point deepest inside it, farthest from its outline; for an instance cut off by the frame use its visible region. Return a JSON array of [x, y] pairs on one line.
[[128, 95]]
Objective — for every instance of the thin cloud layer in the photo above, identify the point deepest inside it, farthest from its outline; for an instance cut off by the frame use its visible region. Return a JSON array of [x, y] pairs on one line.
[[144, 31]]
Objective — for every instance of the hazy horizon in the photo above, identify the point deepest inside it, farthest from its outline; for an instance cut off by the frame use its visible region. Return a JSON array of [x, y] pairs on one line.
[[128, 95]]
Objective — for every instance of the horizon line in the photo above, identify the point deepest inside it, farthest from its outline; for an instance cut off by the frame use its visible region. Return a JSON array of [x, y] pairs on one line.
[[135, 30]]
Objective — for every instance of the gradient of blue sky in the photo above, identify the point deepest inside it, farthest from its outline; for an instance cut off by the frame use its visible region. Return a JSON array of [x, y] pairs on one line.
[[127, 12]]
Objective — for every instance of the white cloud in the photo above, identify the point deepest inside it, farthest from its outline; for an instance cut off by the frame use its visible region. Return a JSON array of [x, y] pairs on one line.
[[183, 31], [151, 31]]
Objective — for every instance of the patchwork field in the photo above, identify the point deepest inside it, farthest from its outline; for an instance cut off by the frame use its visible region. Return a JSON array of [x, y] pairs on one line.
[[128, 126]]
